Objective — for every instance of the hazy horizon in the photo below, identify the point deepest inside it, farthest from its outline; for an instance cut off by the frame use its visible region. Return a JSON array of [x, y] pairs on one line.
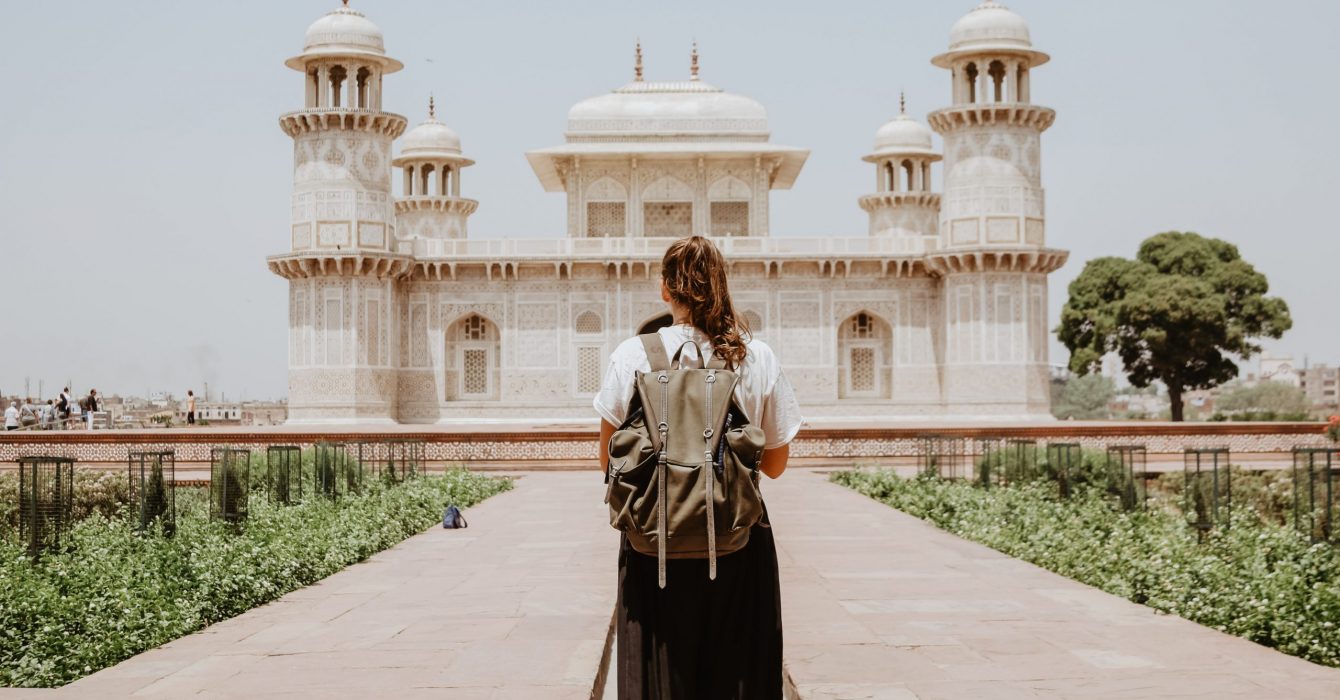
[[145, 178]]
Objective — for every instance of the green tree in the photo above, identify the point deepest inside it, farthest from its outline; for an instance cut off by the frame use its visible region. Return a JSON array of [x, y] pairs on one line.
[[1175, 314], [1275, 397], [1084, 397]]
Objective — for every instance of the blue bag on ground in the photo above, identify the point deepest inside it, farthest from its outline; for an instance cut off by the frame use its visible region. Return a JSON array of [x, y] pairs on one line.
[[452, 518]]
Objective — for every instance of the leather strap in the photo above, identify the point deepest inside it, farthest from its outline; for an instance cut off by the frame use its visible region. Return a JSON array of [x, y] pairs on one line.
[[677, 362], [656, 355]]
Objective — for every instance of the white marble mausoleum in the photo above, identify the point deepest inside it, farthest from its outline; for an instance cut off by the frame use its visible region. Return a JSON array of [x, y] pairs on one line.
[[939, 310]]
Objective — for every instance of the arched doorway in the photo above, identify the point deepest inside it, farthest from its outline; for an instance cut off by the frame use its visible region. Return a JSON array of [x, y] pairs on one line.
[[656, 324], [472, 356], [864, 356]]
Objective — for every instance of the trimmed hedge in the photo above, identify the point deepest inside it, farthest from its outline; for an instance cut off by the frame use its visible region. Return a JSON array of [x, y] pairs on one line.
[[1256, 579], [111, 594]]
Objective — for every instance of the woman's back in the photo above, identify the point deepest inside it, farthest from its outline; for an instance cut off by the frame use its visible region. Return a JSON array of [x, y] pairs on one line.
[[762, 392]]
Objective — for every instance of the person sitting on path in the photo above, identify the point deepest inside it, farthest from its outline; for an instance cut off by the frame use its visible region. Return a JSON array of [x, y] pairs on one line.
[[683, 634]]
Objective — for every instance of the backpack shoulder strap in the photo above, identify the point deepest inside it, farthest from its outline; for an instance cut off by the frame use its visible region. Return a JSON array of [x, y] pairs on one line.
[[655, 347]]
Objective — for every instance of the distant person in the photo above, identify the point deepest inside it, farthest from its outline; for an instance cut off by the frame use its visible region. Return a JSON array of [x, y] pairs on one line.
[[63, 408], [48, 415], [12, 416], [190, 407], [92, 407], [28, 414]]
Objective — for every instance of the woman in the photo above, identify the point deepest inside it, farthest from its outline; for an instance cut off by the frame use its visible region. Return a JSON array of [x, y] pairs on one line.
[[699, 638]]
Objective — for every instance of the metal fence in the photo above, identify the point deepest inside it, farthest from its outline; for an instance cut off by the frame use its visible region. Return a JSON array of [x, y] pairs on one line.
[[1207, 496], [46, 498], [152, 478], [1315, 480], [229, 484]]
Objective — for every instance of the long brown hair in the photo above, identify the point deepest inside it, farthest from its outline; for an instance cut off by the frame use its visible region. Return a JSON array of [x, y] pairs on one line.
[[695, 274]]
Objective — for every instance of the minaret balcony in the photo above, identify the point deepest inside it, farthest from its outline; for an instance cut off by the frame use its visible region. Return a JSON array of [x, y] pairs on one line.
[[319, 263], [991, 114], [988, 259], [439, 203], [890, 200], [342, 119]]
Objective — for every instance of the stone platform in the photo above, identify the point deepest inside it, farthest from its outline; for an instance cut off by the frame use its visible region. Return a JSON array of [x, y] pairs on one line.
[[877, 604], [539, 445]]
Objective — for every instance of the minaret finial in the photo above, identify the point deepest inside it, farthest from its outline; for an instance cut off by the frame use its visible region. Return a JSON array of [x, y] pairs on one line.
[[902, 102], [693, 62], [637, 63], [432, 108]]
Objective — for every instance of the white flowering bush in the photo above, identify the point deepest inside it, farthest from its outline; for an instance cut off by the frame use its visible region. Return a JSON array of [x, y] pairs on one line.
[[1256, 579]]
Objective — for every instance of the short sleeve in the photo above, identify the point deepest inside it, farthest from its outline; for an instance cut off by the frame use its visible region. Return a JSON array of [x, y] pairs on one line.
[[616, 389], [781, 418]]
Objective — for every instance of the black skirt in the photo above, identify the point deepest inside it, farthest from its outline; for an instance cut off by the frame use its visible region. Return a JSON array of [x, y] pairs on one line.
[[698, 638]]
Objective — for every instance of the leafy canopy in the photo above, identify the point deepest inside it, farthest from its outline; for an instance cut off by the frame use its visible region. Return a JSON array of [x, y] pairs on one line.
[[1177, 313]]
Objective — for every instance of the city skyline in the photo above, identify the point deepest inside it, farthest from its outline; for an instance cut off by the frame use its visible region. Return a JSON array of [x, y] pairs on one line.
[[195, 178]]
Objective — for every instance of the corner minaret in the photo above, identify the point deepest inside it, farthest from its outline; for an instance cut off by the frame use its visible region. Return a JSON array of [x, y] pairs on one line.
[[431, 209], [343, 259], [992, 253], [903, 207]]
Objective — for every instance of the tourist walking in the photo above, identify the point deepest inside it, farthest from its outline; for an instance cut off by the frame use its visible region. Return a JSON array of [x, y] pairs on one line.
[[190, 407], [48, 415], [12, 416], [682, 632]]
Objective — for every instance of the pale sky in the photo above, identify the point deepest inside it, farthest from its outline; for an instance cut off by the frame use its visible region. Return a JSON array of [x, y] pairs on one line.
[[144, 178]]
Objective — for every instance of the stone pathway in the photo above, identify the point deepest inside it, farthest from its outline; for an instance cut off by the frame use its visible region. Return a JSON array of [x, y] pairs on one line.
[[878, 605], [516, 606], [881, 605]]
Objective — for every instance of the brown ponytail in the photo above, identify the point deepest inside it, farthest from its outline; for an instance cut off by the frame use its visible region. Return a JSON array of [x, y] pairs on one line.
[[695, 274]]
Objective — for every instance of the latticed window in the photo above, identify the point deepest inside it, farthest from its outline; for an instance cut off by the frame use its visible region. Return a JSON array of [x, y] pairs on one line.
[[862, 326], [755, 323], [474, 328], [730, 218], [475, 380], [588, 323], [605, 219], [862, 370], [667, 219], [588, 369]]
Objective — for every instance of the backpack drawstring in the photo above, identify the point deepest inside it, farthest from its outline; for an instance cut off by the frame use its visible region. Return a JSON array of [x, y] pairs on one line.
[[664, 428], [709, 476]]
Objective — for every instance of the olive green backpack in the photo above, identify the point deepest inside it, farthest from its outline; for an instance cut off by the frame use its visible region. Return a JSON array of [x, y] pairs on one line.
[[668, 461]]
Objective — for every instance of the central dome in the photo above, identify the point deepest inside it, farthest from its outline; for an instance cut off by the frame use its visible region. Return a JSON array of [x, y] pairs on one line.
[[686, 109]]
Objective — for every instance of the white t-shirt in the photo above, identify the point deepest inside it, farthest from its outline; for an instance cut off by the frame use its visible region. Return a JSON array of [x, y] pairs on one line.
[[11, 417], [763, 390]]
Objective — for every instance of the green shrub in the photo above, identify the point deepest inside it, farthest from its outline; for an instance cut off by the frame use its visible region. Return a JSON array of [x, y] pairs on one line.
[[111, 593], [1254, 579]]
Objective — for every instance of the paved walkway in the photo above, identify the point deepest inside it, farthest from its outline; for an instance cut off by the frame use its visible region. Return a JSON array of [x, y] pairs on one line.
[[517, 606], [881, 605], [878, 605]]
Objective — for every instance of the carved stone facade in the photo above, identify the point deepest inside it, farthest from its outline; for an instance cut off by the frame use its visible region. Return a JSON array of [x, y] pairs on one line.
[[396, 315]]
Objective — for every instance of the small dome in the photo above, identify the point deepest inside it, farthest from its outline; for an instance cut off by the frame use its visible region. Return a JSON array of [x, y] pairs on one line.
[[903, 134], [668, 108], [342, 29], [343, 32], [990, 26], [431, 138]]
